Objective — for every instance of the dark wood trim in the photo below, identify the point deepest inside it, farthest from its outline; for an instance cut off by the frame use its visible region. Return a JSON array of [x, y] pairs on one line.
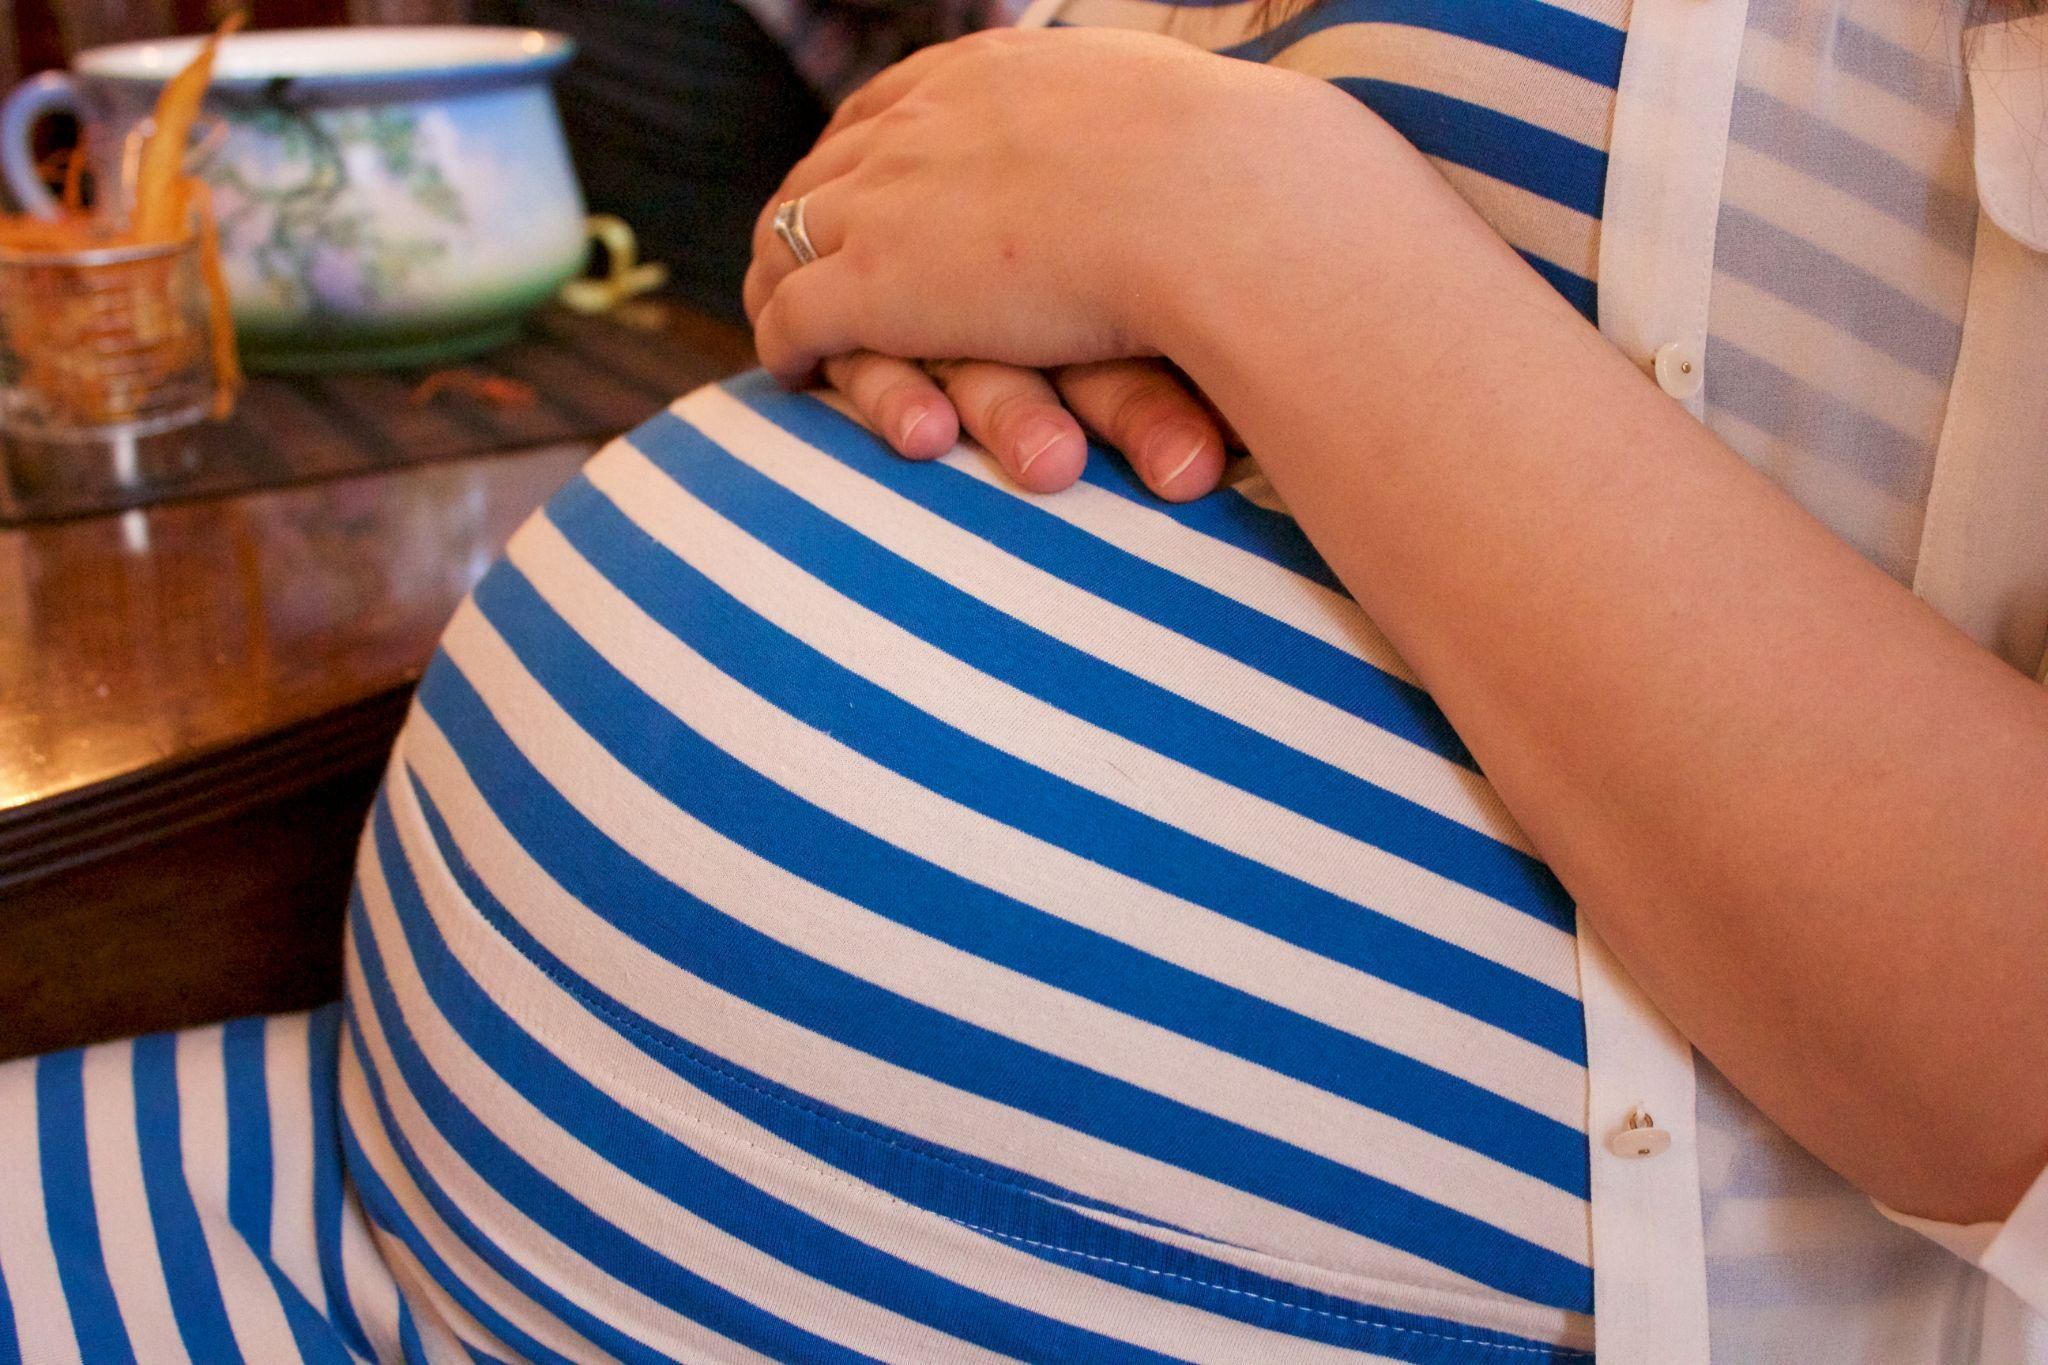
[[58, 836]]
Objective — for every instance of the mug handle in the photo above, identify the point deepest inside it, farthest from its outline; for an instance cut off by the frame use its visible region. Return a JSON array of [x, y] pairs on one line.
[[27, 105]]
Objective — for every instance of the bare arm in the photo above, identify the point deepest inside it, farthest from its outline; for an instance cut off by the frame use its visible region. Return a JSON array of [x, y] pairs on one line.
[[1809, 816]]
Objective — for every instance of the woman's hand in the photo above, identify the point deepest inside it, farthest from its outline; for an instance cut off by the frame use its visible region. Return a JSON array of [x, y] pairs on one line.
[[1028, 420], [1021, 197]]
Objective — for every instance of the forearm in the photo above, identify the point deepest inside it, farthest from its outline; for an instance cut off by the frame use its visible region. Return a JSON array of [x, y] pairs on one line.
[[1810, 817]]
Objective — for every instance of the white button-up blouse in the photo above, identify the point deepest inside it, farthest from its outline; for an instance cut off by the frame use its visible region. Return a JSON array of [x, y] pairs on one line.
[[1671, 1234]]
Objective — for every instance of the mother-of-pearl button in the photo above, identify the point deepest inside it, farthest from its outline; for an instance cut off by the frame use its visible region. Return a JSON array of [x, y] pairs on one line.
[[1678, 369], [1640, 1136]]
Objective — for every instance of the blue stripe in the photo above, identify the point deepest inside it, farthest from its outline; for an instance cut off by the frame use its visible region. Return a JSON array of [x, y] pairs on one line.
[[409, 1337], [1022, 526], [317, 1338], [1546, 164], [383, 1207], [1834, 156], [798, 1118], [250, 1183], [1818, 423], [72, 1213], [323, 1040], [249, 1175], [1852, 300], [784, 830], [1226, 516], [496, 1038], [1032, 1213], [1580, 292], [740, 960], [181, 1242], [1221, 1288], [1528, 28], [676, 1171], [1091, 689], [10, 1337], [1935, 86]]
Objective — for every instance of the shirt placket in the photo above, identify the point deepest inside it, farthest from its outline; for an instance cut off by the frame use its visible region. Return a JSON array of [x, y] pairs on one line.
[[1667, 153]]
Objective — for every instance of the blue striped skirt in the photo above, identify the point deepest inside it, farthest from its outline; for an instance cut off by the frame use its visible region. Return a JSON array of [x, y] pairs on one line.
[[829, 908]]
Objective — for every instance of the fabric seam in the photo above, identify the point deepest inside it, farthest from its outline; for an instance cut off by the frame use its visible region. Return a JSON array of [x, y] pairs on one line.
[[617, 1017]]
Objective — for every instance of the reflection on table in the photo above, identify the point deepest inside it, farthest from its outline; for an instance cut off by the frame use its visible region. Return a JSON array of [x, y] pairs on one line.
[[197, 697]]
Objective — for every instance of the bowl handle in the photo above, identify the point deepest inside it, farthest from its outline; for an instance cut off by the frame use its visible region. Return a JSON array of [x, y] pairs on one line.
[[27, 105]]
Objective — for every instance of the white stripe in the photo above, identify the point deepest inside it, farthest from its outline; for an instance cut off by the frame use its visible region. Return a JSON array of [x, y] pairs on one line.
[[1613, 13], [28, 1261], [1887, 528], [366, 1280], [288, 1083], [1571, 1331], [1830, 360], [1543, 227], [1098, 760], [832, 930], [1209, 26], [260, 1327], [816, 1066], [127, 1231], [420, 1288], [1215, 26], [1155, 537], [1460, 68], [1057, 609], [437, 1339], [476, 1275], [1917, 264], [828, 774], [786, 1172], [619, 1199], [1799, 75]]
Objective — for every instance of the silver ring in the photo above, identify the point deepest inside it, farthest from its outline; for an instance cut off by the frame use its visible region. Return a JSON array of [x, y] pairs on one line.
[[789, 226]]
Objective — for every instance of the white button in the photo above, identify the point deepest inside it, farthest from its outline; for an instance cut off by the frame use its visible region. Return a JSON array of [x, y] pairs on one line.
[[1679, 371], [1639, 1136]]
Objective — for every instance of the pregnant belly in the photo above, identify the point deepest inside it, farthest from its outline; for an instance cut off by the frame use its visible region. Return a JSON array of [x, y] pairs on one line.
[[850, 898]]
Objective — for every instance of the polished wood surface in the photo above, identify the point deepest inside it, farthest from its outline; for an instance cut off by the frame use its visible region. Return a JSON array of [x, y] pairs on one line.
[[196, 702], [137, 641], [571, 377], [197, 699]]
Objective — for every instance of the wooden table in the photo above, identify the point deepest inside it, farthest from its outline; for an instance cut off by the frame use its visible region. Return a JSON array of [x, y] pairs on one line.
[[196, 700]]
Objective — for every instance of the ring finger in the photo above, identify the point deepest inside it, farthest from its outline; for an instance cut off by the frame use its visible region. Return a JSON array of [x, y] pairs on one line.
[[773, 258], [832, 157]]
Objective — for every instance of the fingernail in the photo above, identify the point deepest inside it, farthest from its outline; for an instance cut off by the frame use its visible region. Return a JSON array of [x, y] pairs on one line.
[[1171, 450], [916, 418], [1037, 438]]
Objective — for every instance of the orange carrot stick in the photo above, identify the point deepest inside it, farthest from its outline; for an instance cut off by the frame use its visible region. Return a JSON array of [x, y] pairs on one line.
[[157, 215], [227, 365]]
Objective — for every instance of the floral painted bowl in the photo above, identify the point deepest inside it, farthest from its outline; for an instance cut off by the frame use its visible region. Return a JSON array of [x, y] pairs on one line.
[[386, 196]]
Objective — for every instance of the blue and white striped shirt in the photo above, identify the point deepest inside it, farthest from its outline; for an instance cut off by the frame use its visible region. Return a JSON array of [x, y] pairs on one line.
[[825, 908]]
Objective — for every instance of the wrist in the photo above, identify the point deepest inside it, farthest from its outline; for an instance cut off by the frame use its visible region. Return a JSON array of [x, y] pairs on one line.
[[1297, 257], [1354, 294]]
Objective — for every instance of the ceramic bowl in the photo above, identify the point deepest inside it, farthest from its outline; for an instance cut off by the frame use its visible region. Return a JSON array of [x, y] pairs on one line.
[[386, 196]]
